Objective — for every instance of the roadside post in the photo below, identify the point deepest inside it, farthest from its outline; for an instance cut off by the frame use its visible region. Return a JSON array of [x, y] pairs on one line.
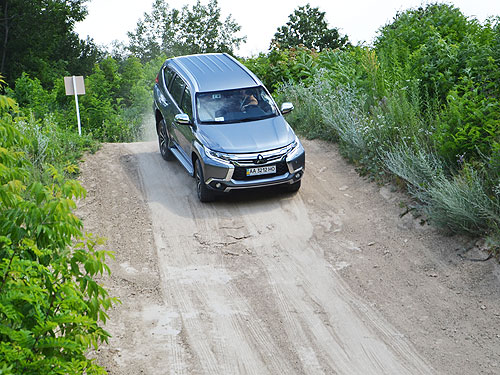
[[75, 86]]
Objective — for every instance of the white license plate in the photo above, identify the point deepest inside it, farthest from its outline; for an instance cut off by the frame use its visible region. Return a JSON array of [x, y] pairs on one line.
[[270, 169]]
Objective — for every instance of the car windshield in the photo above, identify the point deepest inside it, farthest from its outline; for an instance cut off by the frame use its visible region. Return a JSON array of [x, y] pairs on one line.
[[222, 107]]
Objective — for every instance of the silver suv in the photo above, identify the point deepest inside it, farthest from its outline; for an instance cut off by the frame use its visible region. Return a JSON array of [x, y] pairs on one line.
[[217, 118]]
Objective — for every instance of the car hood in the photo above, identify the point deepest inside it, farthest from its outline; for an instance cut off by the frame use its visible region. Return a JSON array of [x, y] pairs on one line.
[[247, 137]]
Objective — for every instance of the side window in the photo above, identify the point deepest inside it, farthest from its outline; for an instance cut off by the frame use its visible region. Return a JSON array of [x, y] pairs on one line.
[[176, 89], [168, 74], [186, 103]]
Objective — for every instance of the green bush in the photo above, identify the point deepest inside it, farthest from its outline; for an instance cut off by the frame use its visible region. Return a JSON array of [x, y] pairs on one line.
[[422, 105], [282, 66], [118, 94], [306, 117], [29, 93], [50, 303], [424, 43], [48, 144], [456, 62], [336, 111]]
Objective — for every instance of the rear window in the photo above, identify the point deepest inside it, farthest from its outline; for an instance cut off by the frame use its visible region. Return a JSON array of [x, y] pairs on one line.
[[177, 89], [168, 74], [186, 103]]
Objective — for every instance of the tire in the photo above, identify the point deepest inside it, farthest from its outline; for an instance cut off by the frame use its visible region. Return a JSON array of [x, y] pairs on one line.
[[203, 191], [164, 142], [293, 188]]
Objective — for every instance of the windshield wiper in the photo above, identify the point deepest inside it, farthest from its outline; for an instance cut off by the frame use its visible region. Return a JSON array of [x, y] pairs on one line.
[[255, 118], [214, 122]]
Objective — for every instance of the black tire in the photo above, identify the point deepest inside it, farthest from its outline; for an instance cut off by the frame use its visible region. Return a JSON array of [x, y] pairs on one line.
[[203, 191], [164, 142], [292, 188]]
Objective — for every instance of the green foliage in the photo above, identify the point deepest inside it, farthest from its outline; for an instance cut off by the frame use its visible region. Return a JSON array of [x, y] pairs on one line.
[[29, 93], [202, 31], [456, 62], [422, 105], [307, 27], [278, 67], [354, 65], [112, 110], [424, 43], [117, 97], [470, 123], [39, 121], [307, 115], [50, 304], [49, 144], [37, 38], [198, 29]]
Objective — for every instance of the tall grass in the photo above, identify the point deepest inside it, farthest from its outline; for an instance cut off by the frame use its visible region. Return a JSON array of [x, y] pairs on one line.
[[393, 135], [458, 203], [365, 126]]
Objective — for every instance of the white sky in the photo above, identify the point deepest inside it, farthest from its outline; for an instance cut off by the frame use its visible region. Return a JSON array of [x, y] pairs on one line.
[[110, 20]]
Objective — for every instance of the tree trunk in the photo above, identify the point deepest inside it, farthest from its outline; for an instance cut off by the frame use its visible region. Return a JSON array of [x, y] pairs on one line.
[[5, 4]]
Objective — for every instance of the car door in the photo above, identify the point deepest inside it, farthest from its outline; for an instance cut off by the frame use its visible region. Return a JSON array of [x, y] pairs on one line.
[[185, 133], [176, 90], [163, 99]]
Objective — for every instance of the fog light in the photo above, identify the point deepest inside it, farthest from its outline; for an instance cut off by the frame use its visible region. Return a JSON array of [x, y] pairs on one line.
[[298, 175], [218, 185]]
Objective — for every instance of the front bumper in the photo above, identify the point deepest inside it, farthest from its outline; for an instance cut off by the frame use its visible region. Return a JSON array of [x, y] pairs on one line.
[[229, 173]]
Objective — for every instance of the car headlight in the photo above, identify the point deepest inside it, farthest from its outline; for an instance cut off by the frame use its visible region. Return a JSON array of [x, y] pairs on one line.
[[294, 149], [216, 155]]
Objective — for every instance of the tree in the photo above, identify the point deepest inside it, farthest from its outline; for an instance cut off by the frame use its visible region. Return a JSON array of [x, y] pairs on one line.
[[198, 29], [37, 37], [155, 33], [307, 26], [202, 30]]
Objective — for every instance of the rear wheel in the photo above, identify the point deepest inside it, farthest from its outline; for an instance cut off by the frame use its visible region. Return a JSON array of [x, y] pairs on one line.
[[164, 142], [203, 191]]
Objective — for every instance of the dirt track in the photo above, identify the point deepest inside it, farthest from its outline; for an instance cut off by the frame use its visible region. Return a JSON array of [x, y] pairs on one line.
[[328, 281]]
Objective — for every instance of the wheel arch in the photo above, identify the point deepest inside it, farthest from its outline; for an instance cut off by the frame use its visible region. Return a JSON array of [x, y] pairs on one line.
[[158, 119], [196, 153]]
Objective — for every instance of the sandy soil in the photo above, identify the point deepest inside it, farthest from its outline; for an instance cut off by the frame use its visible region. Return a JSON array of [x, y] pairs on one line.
[[330, 280]]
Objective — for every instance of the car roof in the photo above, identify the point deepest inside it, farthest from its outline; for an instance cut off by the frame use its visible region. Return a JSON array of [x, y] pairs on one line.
[[213, 72]]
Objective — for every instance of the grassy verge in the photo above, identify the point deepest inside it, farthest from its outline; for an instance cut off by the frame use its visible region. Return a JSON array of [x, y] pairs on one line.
[[393, 139]]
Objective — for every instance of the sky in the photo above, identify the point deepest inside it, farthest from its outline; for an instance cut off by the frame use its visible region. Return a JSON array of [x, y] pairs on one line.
[[109, 20]]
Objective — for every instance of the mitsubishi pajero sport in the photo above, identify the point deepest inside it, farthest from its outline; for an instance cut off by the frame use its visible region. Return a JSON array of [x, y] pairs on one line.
[[218, 120]]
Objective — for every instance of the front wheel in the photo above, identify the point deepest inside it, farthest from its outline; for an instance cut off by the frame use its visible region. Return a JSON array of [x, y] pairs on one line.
[[164, 142], [292, 188], [203, 191]]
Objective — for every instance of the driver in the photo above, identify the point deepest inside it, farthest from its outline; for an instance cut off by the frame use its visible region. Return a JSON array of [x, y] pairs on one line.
[[248, 100]]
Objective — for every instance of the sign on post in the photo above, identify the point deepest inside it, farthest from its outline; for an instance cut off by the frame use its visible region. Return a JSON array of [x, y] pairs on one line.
[[75, 86]]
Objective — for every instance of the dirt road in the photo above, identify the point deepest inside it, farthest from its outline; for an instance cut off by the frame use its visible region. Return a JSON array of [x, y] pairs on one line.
[[327, 281]]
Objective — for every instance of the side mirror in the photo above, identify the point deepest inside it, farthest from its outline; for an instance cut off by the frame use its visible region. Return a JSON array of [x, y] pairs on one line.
[[182, 119], [286, 108]]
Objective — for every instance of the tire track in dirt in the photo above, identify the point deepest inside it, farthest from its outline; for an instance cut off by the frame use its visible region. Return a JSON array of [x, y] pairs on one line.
[[264, 283], [219, 322]]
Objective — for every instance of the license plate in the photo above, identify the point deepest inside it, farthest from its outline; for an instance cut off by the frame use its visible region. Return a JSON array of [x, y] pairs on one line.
[[270, 169]]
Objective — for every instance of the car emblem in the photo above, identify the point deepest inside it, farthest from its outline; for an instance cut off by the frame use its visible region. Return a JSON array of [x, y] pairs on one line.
[[260, 159]]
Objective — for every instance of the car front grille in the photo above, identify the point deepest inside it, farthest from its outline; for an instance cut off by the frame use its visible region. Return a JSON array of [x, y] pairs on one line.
[[240, 173]]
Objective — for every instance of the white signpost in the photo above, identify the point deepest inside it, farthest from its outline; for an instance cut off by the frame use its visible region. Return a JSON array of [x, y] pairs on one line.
[[75, 86]]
